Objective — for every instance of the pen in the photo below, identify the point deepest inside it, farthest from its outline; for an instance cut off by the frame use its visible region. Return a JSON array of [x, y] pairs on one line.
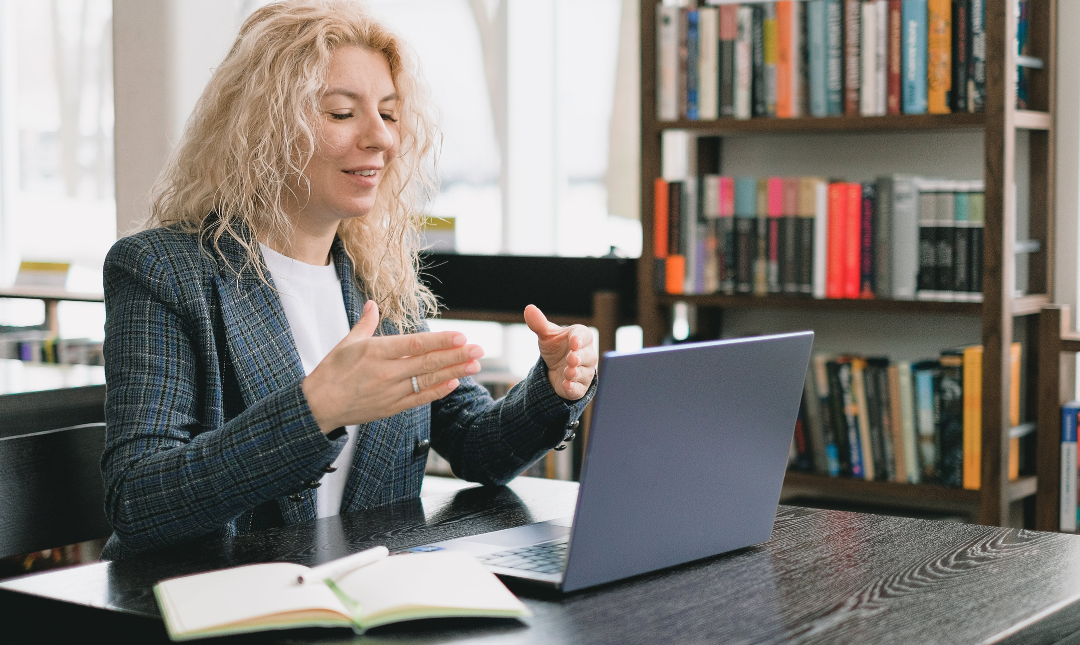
[[344, 565]]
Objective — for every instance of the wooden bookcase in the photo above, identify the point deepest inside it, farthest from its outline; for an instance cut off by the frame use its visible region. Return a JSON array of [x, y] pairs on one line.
[[1004, 315]]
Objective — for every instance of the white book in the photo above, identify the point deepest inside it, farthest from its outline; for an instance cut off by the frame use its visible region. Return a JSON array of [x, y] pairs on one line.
[[868, 59], [267, 596], [821, 237], [907, 424], [675, 155], [744, 66], [1067, 517], [905, 237], [881, 63], [708, 63], [667, 62]]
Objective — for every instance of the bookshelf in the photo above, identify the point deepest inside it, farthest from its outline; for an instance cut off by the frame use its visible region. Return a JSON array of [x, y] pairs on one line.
[[1002, 317]]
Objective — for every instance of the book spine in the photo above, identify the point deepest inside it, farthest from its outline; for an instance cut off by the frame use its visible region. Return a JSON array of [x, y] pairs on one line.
[[926, 418], [759, 88], [881, 421], [726, 234], [977, 59], [818, 57], [928, 246], [761, 263], [744, 62], [834, 16], [729, 32], [692, 55], [836, 236], [775, 214], [799, 61], [691, 209], [881, 65], [961, 247], [853, 240], [708, 63], [838, 415], [667, 62], [913, 92], [895, 57], [660, 218], [908, 426], [868, 48], [973, 417], [1068, 497], [896, 425], [976, 220], [745, 233], [821, 388], [946, 245], [684, 60], [851, 422], [1021, 89], [674, 273], [675, 262], [852, 58], [862, 418], [905, 238], [790, 269], [882, 227], [805, 235], [950, 421], [939, 56], [770, 43], [811, 404], [786, 67], [866, 250], [961, 52], [821, 239]]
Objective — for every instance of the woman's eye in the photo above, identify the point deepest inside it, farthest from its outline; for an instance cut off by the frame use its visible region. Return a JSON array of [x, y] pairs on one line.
[[340, 116], [389, 117]]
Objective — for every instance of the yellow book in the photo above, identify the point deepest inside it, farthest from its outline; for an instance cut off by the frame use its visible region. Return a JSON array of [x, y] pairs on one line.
[[939, 56], [261, 597], [1014, 409], [972, 416]]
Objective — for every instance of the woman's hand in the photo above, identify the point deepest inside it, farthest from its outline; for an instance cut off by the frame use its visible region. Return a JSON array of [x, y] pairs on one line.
[[367, 377], [569, 353]]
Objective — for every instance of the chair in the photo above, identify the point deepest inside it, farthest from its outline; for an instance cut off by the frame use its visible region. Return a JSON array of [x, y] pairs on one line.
[[51, 492]]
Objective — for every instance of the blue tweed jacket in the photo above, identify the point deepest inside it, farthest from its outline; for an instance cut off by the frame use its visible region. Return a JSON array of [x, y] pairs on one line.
[[208, 428]]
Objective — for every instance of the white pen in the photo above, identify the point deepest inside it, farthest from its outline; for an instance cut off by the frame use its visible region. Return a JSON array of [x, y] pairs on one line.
[[344, 565]]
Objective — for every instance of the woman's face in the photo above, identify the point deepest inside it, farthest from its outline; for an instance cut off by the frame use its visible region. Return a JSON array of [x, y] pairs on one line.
[[359, 134]]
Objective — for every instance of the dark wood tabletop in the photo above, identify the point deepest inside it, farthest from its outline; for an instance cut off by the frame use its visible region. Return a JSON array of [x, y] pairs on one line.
[[823, 577]]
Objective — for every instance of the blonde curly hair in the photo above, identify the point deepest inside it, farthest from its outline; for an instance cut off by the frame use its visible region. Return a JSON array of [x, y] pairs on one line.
[[257, 124]]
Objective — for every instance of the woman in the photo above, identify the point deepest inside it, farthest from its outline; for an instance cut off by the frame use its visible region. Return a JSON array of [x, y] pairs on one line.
[[266, 353]]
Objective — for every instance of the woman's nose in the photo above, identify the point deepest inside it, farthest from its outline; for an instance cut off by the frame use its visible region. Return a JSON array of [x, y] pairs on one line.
[[375, 135]]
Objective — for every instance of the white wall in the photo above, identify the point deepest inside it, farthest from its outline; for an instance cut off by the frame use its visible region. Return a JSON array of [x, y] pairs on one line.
[[9, 169]]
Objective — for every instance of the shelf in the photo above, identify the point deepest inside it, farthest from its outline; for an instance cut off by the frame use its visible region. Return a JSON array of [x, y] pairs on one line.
[[833, 304], [860, 489], [901, 122], [49, 293]]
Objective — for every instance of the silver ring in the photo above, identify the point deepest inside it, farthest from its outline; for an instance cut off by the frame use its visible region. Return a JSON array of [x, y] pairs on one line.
[[415, 385]]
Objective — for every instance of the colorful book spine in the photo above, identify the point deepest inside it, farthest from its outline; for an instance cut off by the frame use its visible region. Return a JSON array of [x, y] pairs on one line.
[[821, 388], [821, 238], [837, 234], [667, 62], [928, 246], [1068, 496], [852, 55], [692, 55], [675, 262], [806, 234], [745, 233], [895, 46], [939, 56], [950, 426], [817, 32], [977, 60], [973, 417], [862, 418], [789, 244], [786, 61], [961, 52], [914, 90], [770, 55], [660, 234], [851, 422], [729, 32], [866, 241], [744, 62], [775, 215], [834, 84], [868, 49], [908, 423], [925, 375], [726, 235], [853, 240], [708, 63]]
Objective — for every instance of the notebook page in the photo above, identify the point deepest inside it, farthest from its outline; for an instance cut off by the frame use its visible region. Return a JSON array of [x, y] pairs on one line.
[[414, 583], [218, 598]]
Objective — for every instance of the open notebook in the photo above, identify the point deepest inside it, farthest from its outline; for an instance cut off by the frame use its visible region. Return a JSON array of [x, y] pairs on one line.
[[266, 596]]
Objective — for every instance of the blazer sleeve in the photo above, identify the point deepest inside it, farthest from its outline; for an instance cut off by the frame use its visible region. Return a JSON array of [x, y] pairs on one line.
[[167, 478], [490, 441]]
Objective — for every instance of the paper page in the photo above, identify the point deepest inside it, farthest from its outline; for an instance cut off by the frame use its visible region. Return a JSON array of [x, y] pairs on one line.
[[415, 585], [220, 598]]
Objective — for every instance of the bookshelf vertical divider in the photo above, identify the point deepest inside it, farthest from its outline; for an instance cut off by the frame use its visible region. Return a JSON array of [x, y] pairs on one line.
[[1001, 304]]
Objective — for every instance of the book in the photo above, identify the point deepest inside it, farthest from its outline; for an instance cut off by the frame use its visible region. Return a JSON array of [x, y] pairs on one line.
[[945, 256], [832, 445], [939, 56], [725, 234], [882, 225], [908, 431], [868, 456], [1068, 500], [744, 62], [976, 222], [896, 424], [775, 218], [881, 421], [848, 416], [690, 64], [789, 30], [708, 63], [977, 59], [817, 36], [745, 233], [913, 90], [667, 62], [972, 358], [759, 89], [950, 421], [852, 243], [821, 235], [806, 233], [267, 596], [789, 243], [852, 55], [928, 245], [728, 34], [812, 405], [868, 202], [925, 375], [761, 257], [895, 56], [903, 211], [836, 236], [961, 44], [868, 48], [770, 56], [834, 40], [881, 59]]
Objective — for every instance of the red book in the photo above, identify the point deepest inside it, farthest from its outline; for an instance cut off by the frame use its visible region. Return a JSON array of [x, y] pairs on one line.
[[727, 196], [852, 239], [895, 57], [775, 213], [660, 219], [837, 213], [675, 273]]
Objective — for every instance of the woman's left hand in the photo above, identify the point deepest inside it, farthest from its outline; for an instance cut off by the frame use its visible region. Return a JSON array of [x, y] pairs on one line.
[[569, 352]]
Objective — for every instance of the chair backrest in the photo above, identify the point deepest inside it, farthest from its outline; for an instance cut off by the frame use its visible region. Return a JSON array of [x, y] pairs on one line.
[[51, 492]]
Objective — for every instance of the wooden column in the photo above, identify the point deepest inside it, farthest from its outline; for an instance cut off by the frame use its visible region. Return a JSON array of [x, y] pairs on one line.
[[649, 316]]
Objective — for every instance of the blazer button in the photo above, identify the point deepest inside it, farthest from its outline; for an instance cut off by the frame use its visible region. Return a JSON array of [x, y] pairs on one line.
[[329, 469], [296, 497], [421, 448], [573, 435], [315, 483], [561, 447], [574, 425]]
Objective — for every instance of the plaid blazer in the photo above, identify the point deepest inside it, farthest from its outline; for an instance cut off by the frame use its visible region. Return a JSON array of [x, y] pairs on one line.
[[208, 428]]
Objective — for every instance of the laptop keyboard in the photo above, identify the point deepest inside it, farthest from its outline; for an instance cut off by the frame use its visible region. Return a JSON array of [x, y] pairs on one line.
[[548, 557]]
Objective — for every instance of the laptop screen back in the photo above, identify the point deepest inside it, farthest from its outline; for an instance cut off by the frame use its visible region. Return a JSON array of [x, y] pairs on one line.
[[686, 455]]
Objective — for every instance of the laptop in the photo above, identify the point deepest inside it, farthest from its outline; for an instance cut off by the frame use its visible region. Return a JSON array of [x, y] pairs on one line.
[[686, 457]]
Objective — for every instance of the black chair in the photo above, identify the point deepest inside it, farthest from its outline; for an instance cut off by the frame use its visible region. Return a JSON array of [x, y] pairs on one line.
[[51, 492]]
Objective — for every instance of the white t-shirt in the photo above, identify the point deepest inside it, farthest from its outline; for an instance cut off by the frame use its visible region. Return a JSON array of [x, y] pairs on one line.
[[313, 304]]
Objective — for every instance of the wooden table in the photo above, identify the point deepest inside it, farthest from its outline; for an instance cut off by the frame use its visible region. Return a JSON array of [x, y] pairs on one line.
[[824, 577]]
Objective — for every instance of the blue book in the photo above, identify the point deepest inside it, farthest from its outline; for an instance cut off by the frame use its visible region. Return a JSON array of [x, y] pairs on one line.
[[926, 375], [851, 422], [818, 67], [834, 48], [913, 60], [1068, 497], [692, 65]]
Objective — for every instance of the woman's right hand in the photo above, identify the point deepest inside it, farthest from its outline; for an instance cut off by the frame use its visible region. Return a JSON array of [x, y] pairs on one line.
[[367, 377]]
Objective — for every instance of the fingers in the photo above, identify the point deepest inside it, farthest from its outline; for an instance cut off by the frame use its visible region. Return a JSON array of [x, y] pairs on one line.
[[366, 326], [428, 395], [538, 322], [451, 373], [435, 361], [419, 344]]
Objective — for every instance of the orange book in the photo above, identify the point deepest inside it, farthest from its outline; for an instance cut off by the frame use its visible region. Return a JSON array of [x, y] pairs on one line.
[[837, 232], [1014, 409], [674, 273], [973, 416], [660, 219], [852, 240], [785, 61], [938, 55]]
